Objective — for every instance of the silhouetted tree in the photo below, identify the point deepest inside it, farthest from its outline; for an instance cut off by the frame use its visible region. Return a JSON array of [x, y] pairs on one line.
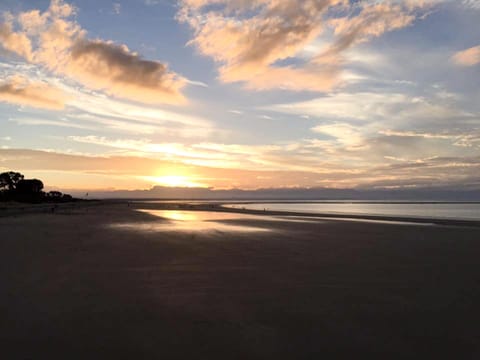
[[30, 186], [14, 187], [54, 195], [9, 180], [29, 190], [67, 197]]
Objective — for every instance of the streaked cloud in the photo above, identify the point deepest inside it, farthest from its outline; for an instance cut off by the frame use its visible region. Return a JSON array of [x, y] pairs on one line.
[[464, 139], [348, 135], [372, 106], [45, 122], [199, 154], [236, 112], [20, 91], [86, 109], [97, 106], [100, 172]]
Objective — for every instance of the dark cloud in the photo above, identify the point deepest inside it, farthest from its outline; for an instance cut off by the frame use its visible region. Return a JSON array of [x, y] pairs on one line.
[[118, 70]]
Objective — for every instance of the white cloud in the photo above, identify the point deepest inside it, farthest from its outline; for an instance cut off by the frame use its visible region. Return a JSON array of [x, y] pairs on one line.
[[362, 106], [474, 4], [236, 112], [117, 8], [196, 83], [371, 107], [345, 134]]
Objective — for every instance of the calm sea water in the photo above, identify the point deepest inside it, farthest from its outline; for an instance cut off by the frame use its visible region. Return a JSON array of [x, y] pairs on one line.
[[463, 211]]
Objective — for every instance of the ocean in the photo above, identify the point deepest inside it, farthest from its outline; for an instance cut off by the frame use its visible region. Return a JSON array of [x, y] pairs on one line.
[[427, 210]]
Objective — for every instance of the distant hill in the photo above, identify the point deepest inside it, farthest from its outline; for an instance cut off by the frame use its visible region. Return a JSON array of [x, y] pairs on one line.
[[160, 192]]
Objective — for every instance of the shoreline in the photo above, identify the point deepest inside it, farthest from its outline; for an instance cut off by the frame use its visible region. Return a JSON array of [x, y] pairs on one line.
[[16, 209], [216, 207]]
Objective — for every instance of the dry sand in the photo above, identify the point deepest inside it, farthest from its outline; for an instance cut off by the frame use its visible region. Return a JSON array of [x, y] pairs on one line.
[[74, 286]]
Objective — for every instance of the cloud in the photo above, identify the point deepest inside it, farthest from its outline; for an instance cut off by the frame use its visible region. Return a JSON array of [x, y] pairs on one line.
[[115, 69], [99, 106], [469, 57], [458, 138], [201, 154], [20, 91], [86, 109], [372, 21], [369, 107], [17, 43], [117, 8], [259, 42], [196, 83], [76, 170], [249, 46], [333, 150], [473, 4], [345, 134], [61, 45], [46, 122]]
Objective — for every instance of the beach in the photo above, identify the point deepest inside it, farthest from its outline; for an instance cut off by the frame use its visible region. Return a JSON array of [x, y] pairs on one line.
[[109, 281]]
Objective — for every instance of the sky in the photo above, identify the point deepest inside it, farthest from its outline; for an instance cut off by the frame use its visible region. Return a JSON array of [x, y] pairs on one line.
[[130, 94]]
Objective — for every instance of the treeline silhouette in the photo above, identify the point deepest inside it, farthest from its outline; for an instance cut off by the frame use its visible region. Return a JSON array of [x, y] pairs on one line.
[[14, 187]]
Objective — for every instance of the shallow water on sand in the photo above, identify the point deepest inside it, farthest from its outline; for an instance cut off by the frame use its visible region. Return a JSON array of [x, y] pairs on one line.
[[194, 221]]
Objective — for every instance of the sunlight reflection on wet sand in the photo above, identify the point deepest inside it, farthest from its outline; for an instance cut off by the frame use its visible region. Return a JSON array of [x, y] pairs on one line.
[[211, 221], [194, 221]]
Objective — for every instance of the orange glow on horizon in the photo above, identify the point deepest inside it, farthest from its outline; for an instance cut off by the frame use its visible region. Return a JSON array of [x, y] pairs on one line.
[[174, 181]]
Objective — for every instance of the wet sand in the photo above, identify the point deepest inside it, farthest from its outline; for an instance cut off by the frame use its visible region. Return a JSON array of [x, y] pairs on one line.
[[111, 282]]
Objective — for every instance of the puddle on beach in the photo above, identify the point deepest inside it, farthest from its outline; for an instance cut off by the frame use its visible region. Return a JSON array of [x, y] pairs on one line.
[[194, 221]]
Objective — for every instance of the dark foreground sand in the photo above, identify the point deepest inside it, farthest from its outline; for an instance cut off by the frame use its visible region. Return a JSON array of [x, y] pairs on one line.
[[73, 287]]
